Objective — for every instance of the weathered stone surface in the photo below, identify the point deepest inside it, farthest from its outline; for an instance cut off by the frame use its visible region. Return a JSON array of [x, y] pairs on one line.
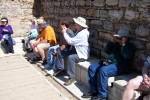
[[56, 4], [66, 3], [130, 14], [148, 47], [88, 3], [99, 3], [111, 2], [108, 25], [143, 3], [139, 45], [73, 11], [91, 12], [103, 14], [82, 11], [72, 3], [124, 3], [115, 14], [145, 16], [96, 22], [80, 2], [141, 31]]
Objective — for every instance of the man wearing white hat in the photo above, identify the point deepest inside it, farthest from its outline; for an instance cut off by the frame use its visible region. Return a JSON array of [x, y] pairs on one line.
[[80, 42]]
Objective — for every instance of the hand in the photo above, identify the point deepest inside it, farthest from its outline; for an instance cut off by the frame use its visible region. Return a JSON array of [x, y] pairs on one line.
[[146, 84], [5, 30], [64, 29], [146, 78], [146, 81], [55, 51], [123, 41]]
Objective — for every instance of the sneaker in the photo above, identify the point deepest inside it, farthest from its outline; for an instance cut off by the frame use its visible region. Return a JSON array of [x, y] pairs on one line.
[[59, 73], [70, 81], [51, 72], [89, 94]]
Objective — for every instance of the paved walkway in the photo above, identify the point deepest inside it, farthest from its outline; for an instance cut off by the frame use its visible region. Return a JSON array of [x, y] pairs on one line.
[[19, 80]]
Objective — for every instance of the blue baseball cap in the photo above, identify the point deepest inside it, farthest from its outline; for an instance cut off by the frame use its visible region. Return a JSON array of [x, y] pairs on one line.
[[122, 33]]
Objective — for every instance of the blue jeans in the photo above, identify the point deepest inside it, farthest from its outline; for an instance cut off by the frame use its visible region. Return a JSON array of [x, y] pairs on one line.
[[60, 58], [50, 58], [72, 59], [8, 45], [27, 41], [98, 78]]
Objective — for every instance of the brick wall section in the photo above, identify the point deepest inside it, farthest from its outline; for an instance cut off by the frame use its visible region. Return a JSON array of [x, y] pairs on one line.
[[105, 17]]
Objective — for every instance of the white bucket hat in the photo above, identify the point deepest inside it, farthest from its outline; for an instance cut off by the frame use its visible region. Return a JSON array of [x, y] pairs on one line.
[[81, 21]]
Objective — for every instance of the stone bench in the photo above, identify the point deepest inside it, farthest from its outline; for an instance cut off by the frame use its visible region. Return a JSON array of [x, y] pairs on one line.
[[116, 84]]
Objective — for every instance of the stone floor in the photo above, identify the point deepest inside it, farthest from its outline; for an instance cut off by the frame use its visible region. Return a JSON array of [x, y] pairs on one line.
[[19, 80]]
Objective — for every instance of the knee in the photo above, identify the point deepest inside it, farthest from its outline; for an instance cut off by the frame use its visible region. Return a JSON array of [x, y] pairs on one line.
[[103, 71], [93, 67], [131, 84], [39, 46], [70, 58]]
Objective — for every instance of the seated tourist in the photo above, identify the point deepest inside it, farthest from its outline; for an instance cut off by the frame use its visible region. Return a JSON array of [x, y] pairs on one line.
[[80, 42], [6, 31], [33, 34], [44, 40], [56, 63], [141, 83], [120, 57]]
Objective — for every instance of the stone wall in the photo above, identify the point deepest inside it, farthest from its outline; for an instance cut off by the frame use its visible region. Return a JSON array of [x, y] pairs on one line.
[[18, 12], [105, 17]]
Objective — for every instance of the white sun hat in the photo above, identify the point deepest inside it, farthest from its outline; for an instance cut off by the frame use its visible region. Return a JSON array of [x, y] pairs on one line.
[[81, 21]]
